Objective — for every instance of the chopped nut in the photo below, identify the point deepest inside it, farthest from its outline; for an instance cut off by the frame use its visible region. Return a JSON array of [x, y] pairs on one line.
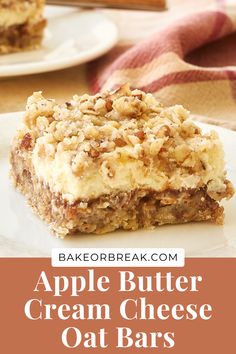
[[94, 153], [119, 142], [68, 105], [155, 147], [181, 152], [129, 107], [133, 139], [163, 131], [26, 142], [140, 134], [100, 106], [109, 104]]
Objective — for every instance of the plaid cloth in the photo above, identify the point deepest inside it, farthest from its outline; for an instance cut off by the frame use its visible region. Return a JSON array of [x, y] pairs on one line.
[[189, 62]]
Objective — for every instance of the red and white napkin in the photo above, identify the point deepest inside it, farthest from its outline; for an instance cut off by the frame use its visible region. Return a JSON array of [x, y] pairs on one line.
[[191, 61]]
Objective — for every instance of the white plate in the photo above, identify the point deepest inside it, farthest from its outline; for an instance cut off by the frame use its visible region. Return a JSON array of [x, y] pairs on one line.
[[23, 234], [72, 37]]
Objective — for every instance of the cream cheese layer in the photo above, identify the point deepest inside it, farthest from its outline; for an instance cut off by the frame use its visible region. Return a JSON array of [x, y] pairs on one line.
[[121, 172], [20, 12]]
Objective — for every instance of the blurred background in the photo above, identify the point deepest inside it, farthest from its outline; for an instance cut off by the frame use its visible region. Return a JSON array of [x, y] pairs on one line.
[[133, 26]]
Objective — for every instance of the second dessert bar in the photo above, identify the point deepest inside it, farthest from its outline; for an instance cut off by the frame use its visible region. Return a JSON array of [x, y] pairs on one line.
[[21, 25]]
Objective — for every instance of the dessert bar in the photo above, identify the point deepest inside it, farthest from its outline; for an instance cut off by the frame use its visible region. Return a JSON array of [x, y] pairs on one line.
[[21, 25], [117, 160]]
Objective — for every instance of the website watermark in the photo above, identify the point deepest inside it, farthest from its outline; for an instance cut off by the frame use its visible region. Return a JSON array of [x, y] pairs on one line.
[[118, 257]]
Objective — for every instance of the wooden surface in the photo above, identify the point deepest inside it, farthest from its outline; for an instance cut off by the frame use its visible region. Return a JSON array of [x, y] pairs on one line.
[[125, 4], [61, 85]]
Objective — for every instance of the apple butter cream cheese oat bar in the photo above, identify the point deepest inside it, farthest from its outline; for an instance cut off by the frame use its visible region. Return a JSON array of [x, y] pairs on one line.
[[21, 25], [117, 160]]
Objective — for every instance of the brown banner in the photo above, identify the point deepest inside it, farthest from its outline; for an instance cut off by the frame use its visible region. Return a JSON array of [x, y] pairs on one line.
[[19, 334]]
